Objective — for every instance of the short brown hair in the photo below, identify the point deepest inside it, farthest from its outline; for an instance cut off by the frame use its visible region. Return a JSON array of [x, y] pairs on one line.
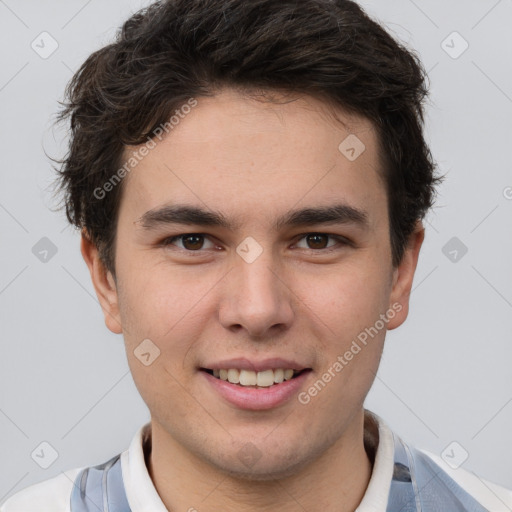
[[177, 49]]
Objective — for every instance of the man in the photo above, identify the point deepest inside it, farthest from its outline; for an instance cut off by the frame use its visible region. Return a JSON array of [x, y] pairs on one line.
[[250, 179]]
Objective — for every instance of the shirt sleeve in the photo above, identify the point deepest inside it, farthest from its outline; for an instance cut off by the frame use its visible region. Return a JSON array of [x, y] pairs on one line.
[[489, 495], [51, 495]]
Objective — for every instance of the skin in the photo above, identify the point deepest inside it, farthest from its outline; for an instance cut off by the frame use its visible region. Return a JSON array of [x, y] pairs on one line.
[[255, 161]]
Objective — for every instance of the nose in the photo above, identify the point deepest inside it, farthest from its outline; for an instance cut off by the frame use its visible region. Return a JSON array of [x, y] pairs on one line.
[[257, 299]]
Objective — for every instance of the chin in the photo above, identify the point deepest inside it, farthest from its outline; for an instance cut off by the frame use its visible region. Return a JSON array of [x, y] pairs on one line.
[[262, 472], [275, 462]]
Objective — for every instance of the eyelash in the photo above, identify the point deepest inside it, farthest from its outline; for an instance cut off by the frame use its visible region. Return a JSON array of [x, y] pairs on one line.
[[341, 241]]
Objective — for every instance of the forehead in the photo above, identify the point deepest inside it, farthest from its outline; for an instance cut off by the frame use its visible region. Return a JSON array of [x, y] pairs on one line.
[[234, 152]]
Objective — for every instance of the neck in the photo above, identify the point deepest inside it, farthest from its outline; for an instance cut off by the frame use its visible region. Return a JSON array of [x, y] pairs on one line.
[[336, 480]]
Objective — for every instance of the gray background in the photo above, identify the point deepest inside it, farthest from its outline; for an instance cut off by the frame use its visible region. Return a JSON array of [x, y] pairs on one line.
[[445, 374]]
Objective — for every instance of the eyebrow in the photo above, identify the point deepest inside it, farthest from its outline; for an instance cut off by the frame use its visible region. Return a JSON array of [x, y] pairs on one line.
[[192, 215]]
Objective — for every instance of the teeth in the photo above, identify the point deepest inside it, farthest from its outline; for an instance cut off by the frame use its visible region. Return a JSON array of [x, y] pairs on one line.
[[233, 376], [265, 378], [248, 378]]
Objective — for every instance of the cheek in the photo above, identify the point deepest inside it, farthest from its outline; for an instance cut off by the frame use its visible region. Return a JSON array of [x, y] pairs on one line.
[[166, 306], [348, 298], [350, 336]]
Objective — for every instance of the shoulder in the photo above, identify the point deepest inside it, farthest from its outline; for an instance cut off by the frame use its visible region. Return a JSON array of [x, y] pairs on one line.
[[51, 495], [56, 494], [431, 481], [489, 495]]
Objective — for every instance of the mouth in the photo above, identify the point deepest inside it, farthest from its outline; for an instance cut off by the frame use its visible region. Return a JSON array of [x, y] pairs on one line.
[[251, 379]]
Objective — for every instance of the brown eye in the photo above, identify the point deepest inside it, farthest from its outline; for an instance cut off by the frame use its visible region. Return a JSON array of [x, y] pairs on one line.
[[317, 241], [193, 242]]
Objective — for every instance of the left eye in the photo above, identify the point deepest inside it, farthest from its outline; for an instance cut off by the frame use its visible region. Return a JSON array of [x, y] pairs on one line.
[[189, 242], [319, 241]]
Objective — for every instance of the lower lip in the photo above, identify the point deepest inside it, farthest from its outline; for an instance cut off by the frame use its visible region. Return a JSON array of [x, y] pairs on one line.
[[257, 399]]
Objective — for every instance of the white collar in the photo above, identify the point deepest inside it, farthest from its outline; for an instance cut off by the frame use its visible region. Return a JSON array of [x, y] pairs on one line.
[[143, 497], [140, 491], [376, 497]]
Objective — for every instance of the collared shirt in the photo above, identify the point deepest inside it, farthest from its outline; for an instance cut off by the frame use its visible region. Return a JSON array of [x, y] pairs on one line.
[[403, 479]]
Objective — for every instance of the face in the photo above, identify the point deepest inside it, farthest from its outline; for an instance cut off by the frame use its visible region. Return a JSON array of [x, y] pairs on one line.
[[248, 240]]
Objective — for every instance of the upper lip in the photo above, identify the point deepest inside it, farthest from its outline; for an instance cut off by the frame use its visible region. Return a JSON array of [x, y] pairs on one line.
[[242, 363]]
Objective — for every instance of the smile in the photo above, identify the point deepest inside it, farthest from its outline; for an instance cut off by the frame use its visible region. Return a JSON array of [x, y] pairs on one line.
[[250, 378]]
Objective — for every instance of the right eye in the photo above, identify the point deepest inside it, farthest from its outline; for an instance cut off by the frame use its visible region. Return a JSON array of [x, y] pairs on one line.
[[192, 242]]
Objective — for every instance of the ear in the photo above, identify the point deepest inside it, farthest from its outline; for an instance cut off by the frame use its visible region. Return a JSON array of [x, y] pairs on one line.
[[403, 276], [104, 284]]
